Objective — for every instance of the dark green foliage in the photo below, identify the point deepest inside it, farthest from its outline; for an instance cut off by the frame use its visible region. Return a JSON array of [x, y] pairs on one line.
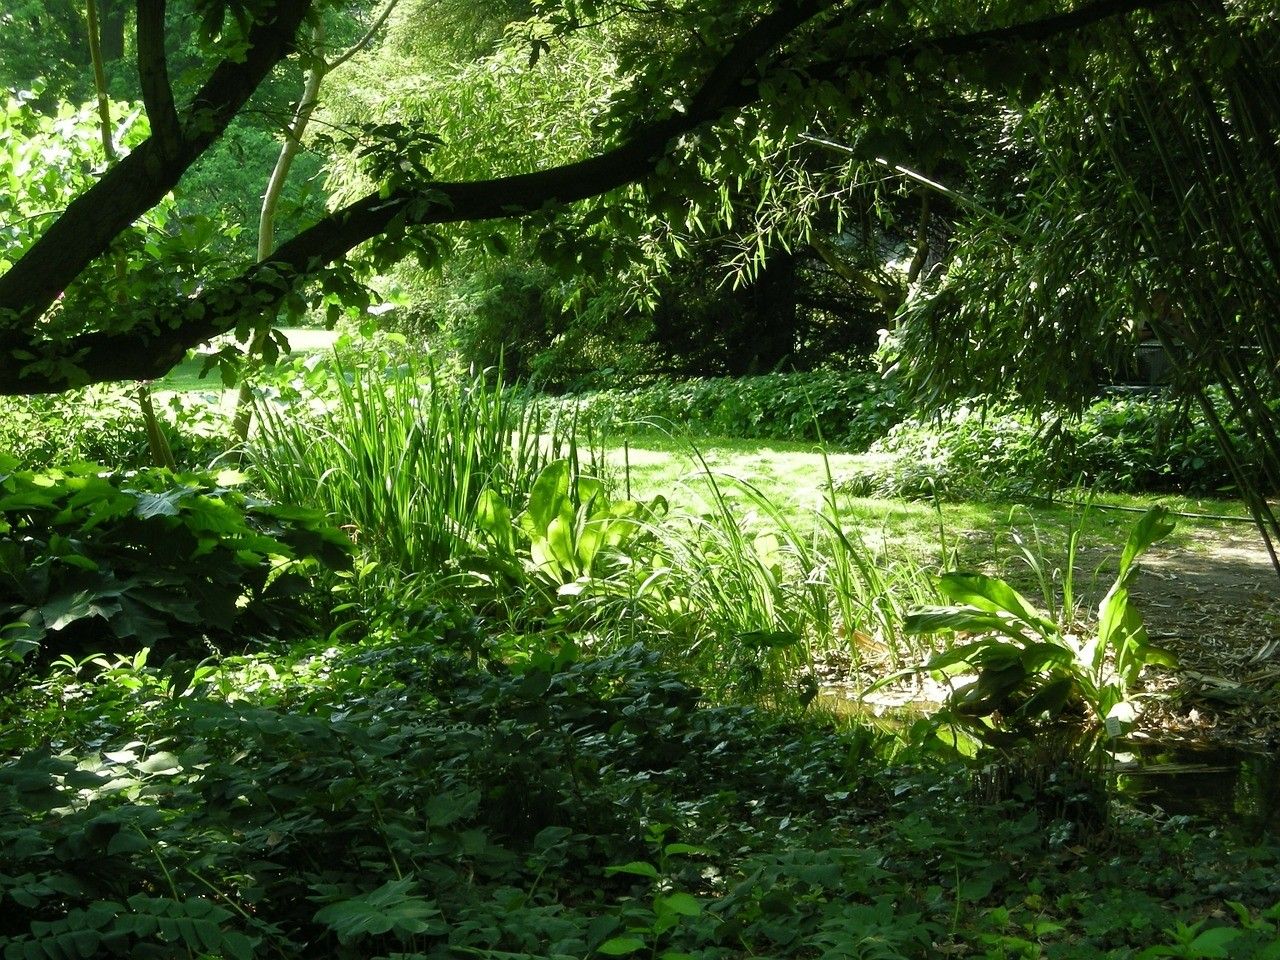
[[1119, 444], [388, 799], [847, 410], [91, 560], [505, 314]]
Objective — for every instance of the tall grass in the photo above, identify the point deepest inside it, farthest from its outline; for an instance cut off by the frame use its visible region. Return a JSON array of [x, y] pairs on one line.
[[746, 594], [756, 599], [399, 457]]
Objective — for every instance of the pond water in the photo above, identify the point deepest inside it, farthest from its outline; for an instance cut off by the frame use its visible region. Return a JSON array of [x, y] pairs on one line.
[[1234, 787], [1231, 786]]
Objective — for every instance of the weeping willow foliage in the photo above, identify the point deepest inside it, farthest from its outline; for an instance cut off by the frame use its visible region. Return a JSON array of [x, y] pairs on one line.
[[1150, 207]]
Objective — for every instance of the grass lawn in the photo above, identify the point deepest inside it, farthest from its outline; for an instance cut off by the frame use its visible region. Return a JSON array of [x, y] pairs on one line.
[[982, 534], [185, 377]]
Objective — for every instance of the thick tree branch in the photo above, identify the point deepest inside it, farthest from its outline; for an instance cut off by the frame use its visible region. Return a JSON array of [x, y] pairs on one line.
[[144, 355], [140, 181], [153, 77]]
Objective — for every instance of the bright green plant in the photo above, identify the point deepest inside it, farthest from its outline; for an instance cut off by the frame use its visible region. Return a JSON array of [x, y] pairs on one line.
[[570, 523], [1029, 667], [403, 458], [649, 923], [91, 560]]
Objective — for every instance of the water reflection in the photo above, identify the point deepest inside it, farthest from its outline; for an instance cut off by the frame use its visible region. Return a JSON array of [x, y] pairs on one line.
[[1216, 783], [1230, 786]]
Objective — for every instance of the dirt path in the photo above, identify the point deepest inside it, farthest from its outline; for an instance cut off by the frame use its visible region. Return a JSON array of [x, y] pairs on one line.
[[1216, 604]]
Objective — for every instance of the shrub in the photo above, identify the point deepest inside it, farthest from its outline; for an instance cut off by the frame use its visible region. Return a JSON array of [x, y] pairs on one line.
[[102, 425], [91, 560], [1121, 444], [846, 409]]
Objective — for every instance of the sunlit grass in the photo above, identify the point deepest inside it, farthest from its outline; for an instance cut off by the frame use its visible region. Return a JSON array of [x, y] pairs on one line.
[[989, 535]]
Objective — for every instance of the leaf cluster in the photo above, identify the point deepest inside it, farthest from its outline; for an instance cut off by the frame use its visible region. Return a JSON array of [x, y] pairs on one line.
[[386, 799], [91, 560]]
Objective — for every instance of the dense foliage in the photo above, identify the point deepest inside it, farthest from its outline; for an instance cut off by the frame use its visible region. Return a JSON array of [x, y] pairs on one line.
[[386, 799], [1125, 444], [102, 425], [1135, 442], [91, 561], [847, 410]]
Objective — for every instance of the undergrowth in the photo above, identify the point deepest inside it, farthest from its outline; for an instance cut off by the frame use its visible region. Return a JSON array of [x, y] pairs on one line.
[[386, 799]]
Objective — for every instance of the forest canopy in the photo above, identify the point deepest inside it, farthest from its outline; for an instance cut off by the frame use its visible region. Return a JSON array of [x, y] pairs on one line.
[[696, 92]]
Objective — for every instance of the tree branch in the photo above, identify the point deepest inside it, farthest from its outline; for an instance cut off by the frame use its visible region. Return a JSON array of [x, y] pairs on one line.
[[161, 340], [153, 77], [140, 181]]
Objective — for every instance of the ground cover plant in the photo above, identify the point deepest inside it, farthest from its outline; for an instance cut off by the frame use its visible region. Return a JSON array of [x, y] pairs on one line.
[[387, 798], [94, 561], [1119, 444]]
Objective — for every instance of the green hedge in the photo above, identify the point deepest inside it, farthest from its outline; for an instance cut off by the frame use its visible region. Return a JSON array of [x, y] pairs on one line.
[[1120, 444], [846, 409], [1130, 443]]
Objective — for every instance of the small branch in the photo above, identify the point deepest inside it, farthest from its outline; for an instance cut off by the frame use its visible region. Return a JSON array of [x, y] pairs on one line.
[[365, 40], [99, 79], [954, 195]]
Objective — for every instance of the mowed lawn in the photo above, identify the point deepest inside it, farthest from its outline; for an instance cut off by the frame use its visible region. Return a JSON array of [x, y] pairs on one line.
[[794, 476], [186, 378]]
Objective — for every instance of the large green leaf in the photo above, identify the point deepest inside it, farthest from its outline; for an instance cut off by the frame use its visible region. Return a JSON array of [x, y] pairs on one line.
[[993, 595], [1155, 525], [395, 907], [547, 496], [969, 619], [65, 609]]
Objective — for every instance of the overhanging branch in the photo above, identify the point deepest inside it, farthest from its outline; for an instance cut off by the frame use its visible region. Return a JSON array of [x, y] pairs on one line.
[[140, 181], [141, 355]]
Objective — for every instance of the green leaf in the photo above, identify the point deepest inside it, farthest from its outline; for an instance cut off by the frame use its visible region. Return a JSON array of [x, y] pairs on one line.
[[160, 764], [163, 504], [1155, 524], [68, 608], [683, 904], [637, 867], [548, 494], [620, 946], [1213, 943], [394, 906], [969, 619], [965, 653], [992, 595]]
